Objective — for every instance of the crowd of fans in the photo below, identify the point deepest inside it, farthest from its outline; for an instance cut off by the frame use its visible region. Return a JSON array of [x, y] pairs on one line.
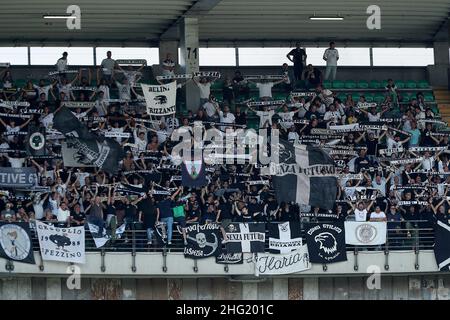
[[370, 186]]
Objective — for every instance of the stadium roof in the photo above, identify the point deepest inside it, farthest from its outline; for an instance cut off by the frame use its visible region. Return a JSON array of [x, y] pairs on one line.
[[222, 22]]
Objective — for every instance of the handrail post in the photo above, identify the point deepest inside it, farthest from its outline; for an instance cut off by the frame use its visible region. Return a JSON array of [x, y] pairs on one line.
[[133, 244]]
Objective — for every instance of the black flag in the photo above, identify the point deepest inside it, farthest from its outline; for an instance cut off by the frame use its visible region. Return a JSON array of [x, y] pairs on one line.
[[15, 242], [326, 242], [442, 246], [35, 145], [193, 174], [202, 241], [104, 153]]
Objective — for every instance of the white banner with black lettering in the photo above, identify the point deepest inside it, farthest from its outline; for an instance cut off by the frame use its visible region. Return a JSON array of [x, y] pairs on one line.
[[160, 99], [275, 264], [61, 244], [365, 233]]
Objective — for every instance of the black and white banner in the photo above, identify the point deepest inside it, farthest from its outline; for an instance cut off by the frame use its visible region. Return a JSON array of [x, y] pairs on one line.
[[277, 264], [15, 242], [102, 238], [229, 258], [326, 242], [365, 233], [442, 246], [17, 177], [160, 99], [61, 244], [284, 237], [203, 241], [245, 237], [304, 175]]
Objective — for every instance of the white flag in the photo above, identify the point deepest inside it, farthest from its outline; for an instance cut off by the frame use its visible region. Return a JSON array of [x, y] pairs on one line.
[[160, 99], [61, 244], [365, 233]]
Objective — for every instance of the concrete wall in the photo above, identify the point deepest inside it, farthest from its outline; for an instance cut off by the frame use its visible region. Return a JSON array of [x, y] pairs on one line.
[[428, 287]]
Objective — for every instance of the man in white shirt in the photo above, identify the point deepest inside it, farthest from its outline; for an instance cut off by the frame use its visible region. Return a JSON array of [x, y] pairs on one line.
[[108, 65], [205, 89], [16, 161], [44, 89], [332, 115], [265, 87], [61, 64], [331, 56], [265, 116], [210, 108], [11, 128], [379, 183], [63, 214], [226, 116], [377, 215], [427, 162], [286, 117]]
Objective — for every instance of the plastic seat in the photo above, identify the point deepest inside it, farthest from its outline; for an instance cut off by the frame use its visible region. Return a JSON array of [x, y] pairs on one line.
[[383, 83], [400, 84], [423, 84], [369, 97], [406, 98], [350, 84], [279, 96], [428, 97], [362, 84], [378, 98], [356, 95], [217, 85], [374, 84], [326, 84], [337, 84], [411, 84], [342, 97]]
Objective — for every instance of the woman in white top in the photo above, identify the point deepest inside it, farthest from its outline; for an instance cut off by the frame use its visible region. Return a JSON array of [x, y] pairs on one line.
[[377, 215]]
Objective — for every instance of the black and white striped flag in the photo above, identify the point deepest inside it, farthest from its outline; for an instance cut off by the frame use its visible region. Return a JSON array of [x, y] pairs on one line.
[[284, 237], [245, 237], [305, 175], [442, 246]]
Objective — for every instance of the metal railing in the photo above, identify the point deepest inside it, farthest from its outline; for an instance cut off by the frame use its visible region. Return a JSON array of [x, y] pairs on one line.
[[407, 235]]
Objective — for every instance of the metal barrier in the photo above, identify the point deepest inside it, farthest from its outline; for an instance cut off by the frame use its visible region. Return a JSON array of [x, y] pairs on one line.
[[406, 235]]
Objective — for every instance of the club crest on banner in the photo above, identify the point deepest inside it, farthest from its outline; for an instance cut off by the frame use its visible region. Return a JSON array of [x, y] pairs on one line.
[[37, 141], [15, 243], [365, 233]]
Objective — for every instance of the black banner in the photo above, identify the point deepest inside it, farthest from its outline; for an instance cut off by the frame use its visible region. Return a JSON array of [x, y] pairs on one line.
[[15, 242], [203, 241], [104, 153], [326, 242]]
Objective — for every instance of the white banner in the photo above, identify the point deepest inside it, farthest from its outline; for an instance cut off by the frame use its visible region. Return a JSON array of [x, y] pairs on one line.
[[365, 233], [61, 244], [275, 264], [160, 99]]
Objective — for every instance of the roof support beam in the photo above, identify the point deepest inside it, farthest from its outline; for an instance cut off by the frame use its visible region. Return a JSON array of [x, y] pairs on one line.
[[199, 8]]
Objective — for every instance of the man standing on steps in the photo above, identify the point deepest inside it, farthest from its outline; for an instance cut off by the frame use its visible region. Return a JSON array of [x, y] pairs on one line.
[[298, 58], [331, 56]]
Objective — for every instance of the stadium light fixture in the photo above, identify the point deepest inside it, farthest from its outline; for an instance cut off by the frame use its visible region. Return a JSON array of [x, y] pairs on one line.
[[326, 18], [58, 16]]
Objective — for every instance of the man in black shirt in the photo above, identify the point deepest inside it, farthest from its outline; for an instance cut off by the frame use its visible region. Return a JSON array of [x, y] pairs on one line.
[[298, 58], [147, 210]]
